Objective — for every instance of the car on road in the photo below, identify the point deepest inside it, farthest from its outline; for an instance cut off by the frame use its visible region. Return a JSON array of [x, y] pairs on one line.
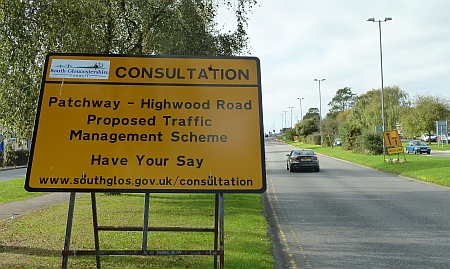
[[417, 147], [428, 138], [302, 159]]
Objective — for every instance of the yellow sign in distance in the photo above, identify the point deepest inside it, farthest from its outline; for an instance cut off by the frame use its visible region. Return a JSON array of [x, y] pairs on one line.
[[392, 139], [392, 142], [395, 150], [139, 124]]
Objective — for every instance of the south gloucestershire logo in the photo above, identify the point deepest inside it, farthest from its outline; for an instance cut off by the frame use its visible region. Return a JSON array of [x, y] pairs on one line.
[[79, 69]]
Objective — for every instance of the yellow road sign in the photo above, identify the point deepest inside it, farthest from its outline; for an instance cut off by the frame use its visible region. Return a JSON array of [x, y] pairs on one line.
[[392, 139], [395, 150], [143, 123]]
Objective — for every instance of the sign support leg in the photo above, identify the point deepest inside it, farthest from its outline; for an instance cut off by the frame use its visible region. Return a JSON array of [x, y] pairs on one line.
[[216, 229], [221, 231], [68, 229], [219, 238], [145, 226], [95, 223]]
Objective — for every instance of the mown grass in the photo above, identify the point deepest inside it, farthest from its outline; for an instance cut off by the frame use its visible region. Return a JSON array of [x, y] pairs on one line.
[[35, 240], [13, 190], [423, 167]]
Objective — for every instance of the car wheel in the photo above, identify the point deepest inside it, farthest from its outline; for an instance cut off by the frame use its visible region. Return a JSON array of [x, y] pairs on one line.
[[291, 170], [317, 169], [415, 151]]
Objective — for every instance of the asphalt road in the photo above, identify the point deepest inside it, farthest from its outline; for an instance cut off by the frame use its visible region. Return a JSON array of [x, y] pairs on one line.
[[442, 152], [349, 216], [9, 174]]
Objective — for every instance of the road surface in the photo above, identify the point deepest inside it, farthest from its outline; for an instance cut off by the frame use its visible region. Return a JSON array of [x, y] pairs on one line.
[[9, 174], [350, 216]]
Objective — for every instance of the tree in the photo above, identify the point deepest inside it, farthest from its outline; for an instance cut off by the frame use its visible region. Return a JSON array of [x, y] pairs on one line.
[[30, 29], [358, 123], [350, 130], [343, 100], [367, 108], [330, 129], [307, 126], [21, 64], [396, 103], [313, 112], [425, 112]]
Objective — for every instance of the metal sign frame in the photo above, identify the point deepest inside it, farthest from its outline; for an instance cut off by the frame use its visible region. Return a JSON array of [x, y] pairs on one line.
[[218, 230], [442, 129]]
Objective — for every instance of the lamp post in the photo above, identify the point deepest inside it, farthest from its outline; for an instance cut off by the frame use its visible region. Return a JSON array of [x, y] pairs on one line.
[[285, 118], [320, 109], [382, 83], [282, 114], [301, 112], [291, 107]]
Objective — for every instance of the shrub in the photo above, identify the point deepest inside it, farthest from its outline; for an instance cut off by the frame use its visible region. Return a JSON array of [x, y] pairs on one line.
[[15, 158], [290, 134], [368, 143], [373, 143], [313, 139]]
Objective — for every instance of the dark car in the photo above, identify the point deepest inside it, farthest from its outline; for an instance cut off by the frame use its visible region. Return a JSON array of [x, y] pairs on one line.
[[300, 159], [417, 146]]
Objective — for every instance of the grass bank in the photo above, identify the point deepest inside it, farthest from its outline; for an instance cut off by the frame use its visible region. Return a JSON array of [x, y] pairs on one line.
[[35, 240], [13, 190], [423, 167]]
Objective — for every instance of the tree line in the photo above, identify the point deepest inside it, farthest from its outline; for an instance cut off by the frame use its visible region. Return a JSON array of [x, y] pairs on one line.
[[31, 29], [354, 118]]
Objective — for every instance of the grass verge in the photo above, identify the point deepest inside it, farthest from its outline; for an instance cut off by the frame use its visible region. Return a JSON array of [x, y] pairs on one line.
[[35, 240], [13, 190], [424, 167]]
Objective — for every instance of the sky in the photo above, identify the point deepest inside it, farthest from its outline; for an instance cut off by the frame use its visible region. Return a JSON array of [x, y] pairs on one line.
[[298, 41]]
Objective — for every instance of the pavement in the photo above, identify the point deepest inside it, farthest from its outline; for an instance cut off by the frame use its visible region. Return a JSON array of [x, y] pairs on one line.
[[15, 209]]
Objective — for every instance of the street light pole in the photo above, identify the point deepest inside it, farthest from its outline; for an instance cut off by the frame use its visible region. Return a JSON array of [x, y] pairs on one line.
[[383, 120], [285, 118], [291, 107], [282, 121], [320, 110], [301, 112]]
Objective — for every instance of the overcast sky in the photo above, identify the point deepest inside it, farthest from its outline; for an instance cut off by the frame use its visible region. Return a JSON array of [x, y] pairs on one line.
[[298, 41]]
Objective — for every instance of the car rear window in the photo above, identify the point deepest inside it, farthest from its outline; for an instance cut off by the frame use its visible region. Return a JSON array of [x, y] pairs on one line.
[[303, 152]]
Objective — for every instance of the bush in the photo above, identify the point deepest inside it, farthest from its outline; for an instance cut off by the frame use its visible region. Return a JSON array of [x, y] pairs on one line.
[[15, 158], [326, 141], [350, 134], [373, 143], [290, 134], [369, 144], [313, 139]]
